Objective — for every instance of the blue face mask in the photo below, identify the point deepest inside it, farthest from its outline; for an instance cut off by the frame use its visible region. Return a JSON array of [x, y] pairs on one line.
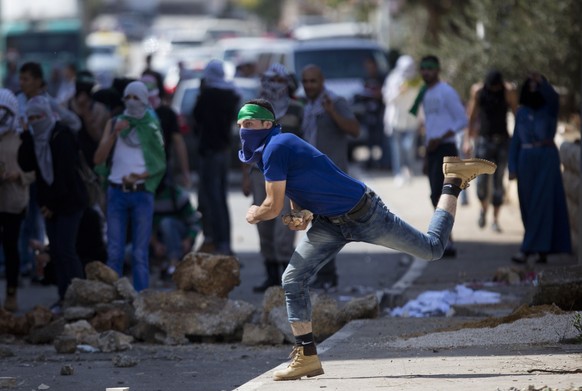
[[253, 142]]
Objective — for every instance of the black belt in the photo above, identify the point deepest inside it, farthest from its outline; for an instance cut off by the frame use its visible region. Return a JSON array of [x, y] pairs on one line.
[[128, 188], [539, 144], [356, 212]]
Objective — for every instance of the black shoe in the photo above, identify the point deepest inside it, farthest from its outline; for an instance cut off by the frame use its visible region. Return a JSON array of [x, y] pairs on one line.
[[519, 258], [542, 258], [450, 252]]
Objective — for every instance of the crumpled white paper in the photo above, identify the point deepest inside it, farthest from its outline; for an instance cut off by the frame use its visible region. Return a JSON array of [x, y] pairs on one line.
[[439, 303]]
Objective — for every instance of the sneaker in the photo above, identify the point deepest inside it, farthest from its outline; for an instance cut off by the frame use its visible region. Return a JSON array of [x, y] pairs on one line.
[[301, 365], [466, 169], [482, 219], [496, 228]]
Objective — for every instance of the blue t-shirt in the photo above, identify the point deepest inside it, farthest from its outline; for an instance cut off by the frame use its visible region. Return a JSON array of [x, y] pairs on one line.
[[313, 181]]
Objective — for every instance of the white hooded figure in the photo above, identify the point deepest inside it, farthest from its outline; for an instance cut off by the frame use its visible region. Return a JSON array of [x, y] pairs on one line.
[[399, 92]]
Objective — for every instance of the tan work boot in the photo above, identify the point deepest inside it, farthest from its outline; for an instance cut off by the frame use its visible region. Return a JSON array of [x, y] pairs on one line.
[[466, 169], [301, 365]]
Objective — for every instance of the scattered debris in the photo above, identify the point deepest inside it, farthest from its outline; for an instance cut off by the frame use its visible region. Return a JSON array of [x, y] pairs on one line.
[[124, 361], [67, 370], [438, 303]]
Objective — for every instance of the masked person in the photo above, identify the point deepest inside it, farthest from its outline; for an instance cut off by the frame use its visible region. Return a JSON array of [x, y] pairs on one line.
[[340, 210], [534, 161], [14, 194], [132, 158], [214, 116], [276, 241], [50, 149]]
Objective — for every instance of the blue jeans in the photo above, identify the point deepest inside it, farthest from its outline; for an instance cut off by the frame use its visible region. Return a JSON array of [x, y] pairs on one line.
[[172, 231], [139, 208], [378, 226], [403, 150], [62, 232], [212, 201]]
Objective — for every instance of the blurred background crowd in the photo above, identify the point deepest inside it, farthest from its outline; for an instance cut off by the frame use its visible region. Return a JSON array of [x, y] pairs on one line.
[[87, 52]]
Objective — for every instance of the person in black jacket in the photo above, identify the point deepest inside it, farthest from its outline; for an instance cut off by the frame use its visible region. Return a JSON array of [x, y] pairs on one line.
[[50, 149], [214, 116]]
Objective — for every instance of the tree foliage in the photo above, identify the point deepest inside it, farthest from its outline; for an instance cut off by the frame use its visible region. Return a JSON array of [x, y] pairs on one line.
[[519, 36], [268, 10]]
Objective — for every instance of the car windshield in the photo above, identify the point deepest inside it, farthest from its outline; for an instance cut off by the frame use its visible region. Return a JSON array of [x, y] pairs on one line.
[[341, 63]]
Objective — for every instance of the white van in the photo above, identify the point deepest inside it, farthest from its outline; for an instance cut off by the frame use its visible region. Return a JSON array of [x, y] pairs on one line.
[[341, 60]]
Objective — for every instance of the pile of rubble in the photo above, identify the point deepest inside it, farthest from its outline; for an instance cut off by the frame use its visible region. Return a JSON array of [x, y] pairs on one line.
[[103, 312]]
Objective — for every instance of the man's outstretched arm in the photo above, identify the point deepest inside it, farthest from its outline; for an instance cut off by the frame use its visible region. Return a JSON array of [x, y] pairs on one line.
[[271, 206]]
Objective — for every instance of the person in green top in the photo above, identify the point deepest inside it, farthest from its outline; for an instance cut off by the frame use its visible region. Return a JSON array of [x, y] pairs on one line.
[[131, 154]]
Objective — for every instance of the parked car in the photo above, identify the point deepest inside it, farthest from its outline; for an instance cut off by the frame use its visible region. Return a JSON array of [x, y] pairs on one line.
[[183, 103]]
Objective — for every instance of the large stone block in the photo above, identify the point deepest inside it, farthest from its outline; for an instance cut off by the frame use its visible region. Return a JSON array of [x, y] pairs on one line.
[[562, 287], [208, 274]]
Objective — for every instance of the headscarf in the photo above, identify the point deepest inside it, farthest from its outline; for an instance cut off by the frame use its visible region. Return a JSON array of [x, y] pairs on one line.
[[8, 111], [42, 132], [276, 92], [144, 131], [403, 72], [136, 108], [253, 141], [213, 76], [84, 82], [153, 91], [532, 99]]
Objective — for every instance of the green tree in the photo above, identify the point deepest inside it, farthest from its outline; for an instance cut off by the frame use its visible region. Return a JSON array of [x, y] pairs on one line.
[[519, 36], [268, 10]]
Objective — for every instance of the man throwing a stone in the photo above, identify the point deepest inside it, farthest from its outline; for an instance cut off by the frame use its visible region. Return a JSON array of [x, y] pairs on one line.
[[340, 210]]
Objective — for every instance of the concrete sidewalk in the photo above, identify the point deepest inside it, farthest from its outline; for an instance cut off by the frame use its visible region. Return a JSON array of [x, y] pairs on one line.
[[381, 354]]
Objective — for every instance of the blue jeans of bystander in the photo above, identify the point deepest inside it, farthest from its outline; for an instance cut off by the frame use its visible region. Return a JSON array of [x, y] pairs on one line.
[[137, 207]]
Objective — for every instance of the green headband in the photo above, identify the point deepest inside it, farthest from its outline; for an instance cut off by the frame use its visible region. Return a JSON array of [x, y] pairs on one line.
[[429, 64], [252, 111]]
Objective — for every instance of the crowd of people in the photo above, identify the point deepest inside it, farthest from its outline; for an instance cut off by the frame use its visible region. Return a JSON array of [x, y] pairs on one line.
[[129, 137]]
